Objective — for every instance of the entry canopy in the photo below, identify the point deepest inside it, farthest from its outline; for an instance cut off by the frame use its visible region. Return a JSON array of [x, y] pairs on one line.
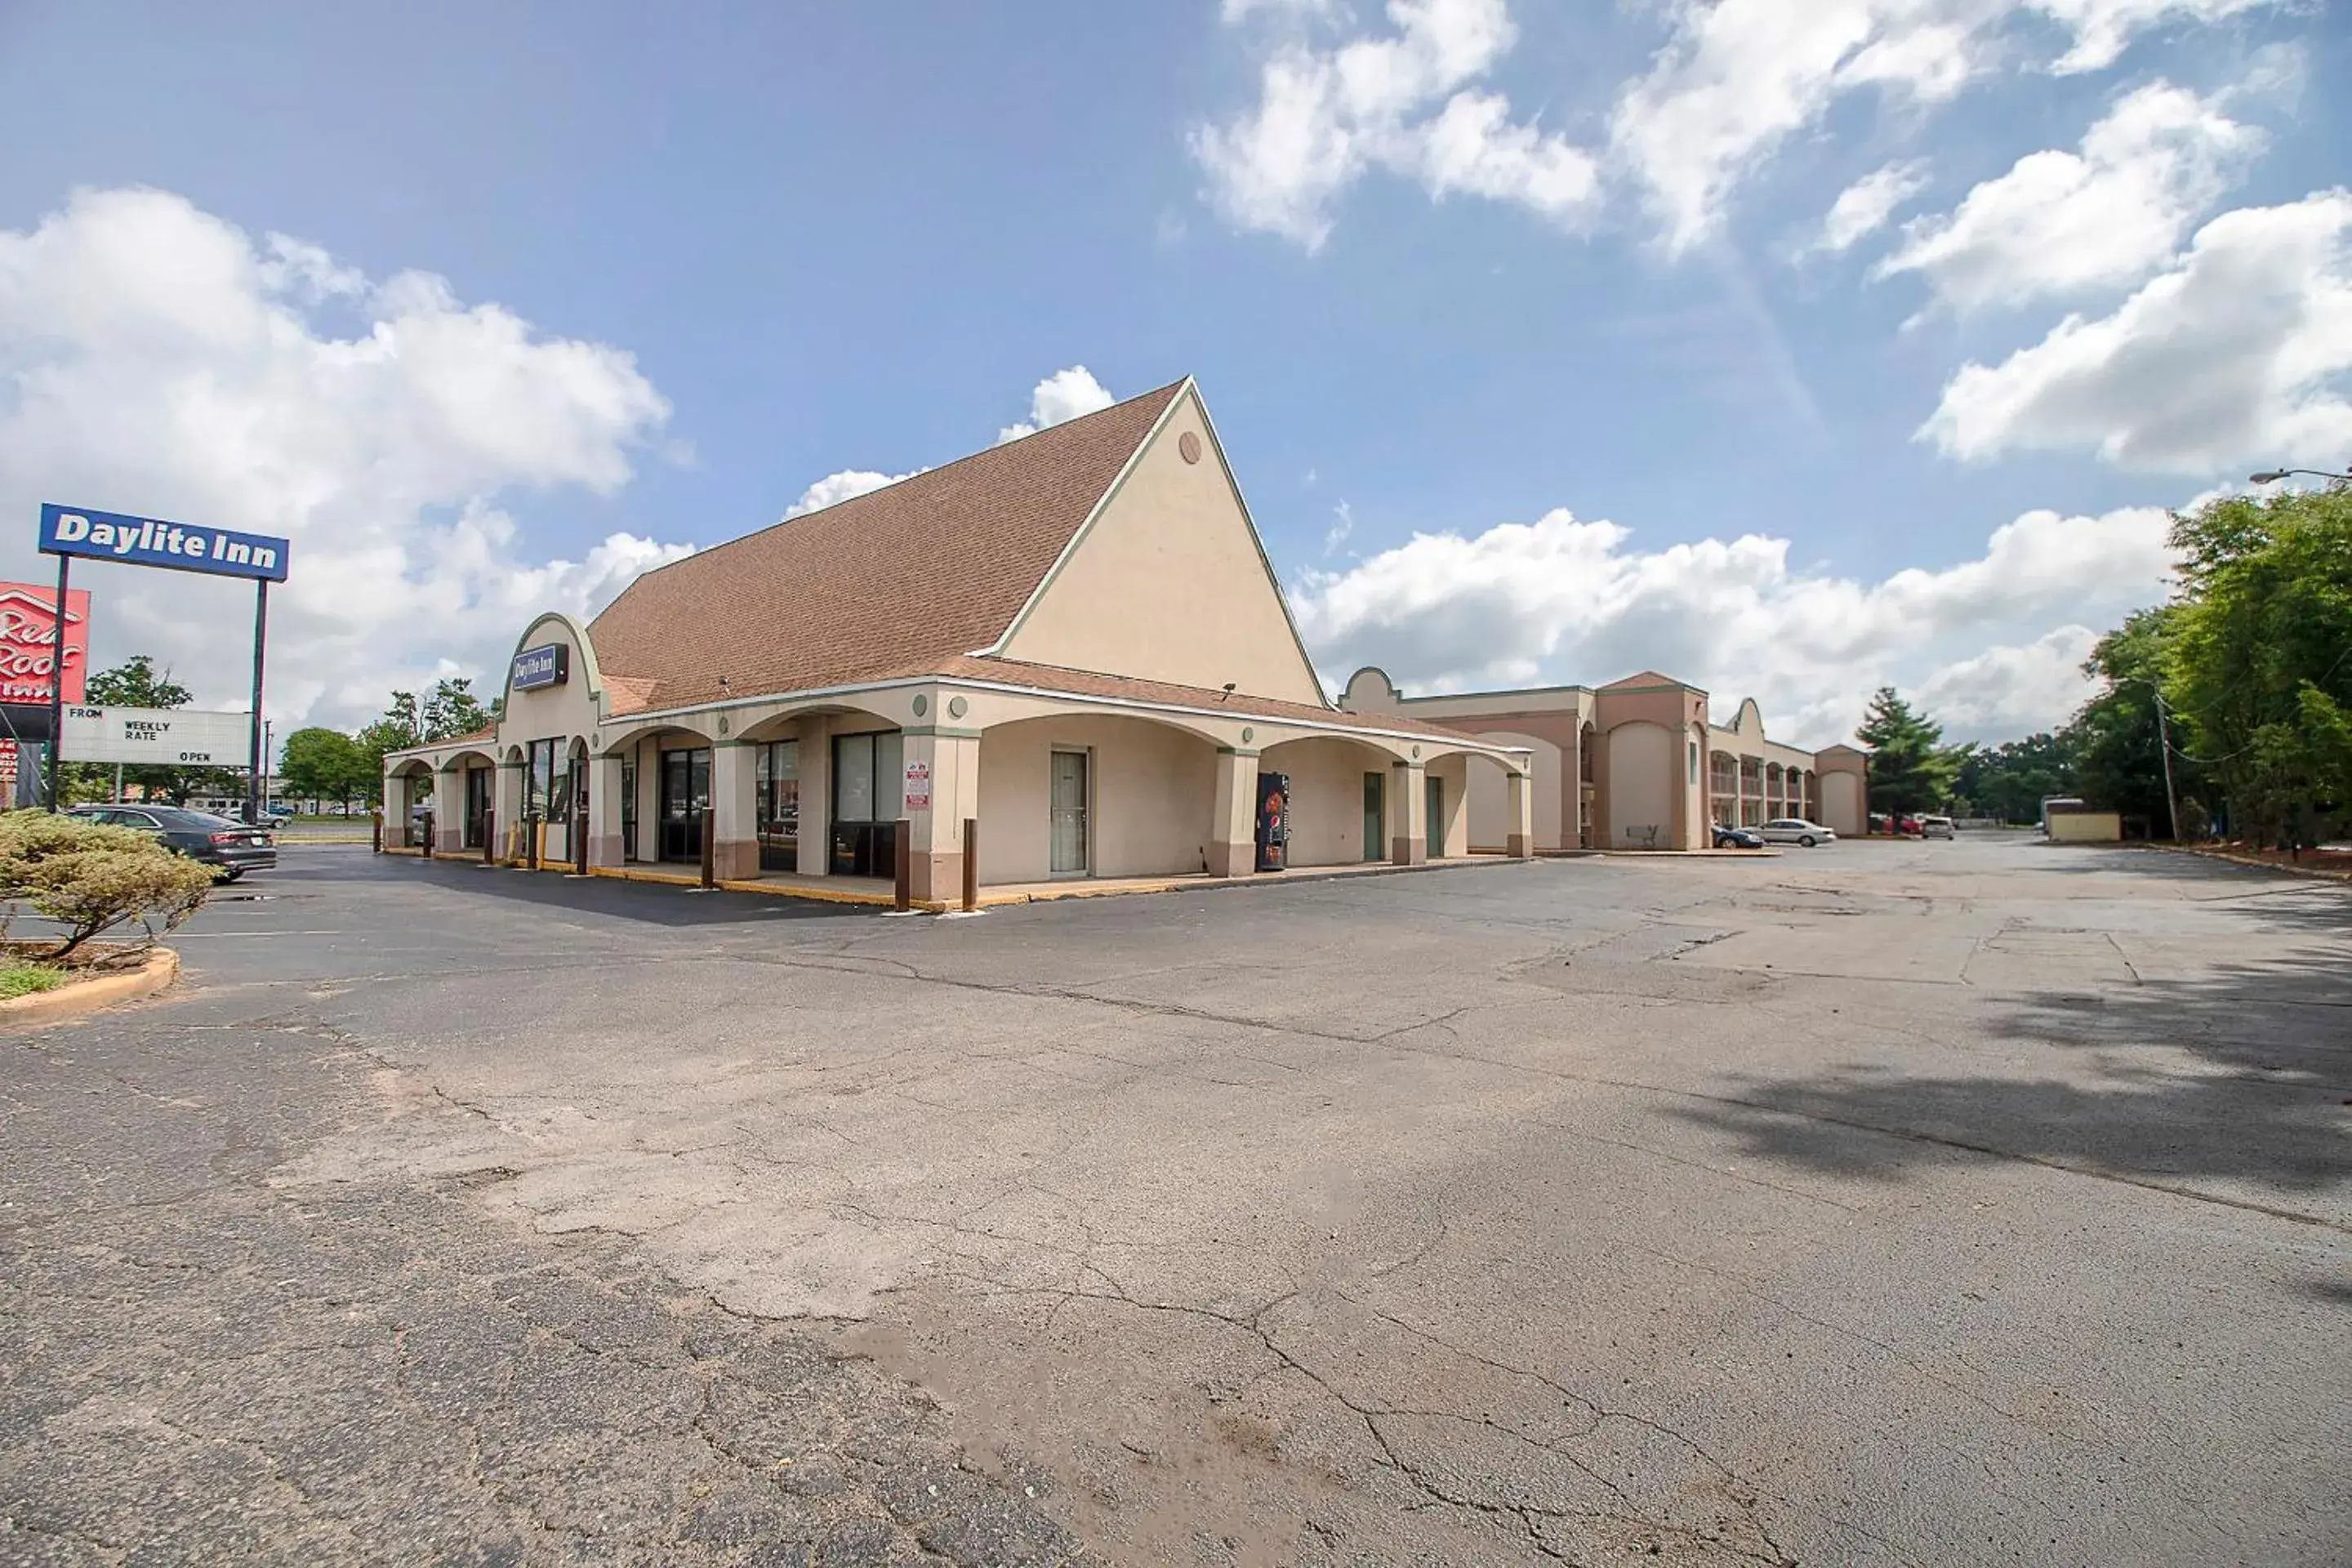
[[151, 542]]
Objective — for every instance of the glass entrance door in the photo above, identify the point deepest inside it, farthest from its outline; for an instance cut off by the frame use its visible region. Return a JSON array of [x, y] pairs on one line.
[[1069, 810], [685, 792], [478, 795], [868, 792], [629, 806], [1375, 815]]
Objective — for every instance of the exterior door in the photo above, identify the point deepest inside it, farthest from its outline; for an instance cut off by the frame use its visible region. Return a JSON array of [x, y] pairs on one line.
[[1069, 812], [685, 792], [629, 806], [1433, 818], [1375, 815], [479, 784]]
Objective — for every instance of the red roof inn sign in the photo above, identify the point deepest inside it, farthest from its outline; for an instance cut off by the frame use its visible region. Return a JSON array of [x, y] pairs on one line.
[[72, 533], [30, 646]]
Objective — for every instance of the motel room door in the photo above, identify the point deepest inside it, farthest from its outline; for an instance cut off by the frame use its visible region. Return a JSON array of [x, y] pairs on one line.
[[1376, 816], [1070, 856], [1432, 822]]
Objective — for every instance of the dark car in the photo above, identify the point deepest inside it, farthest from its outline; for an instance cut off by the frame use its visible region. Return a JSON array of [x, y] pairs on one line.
[[1737, 837], [232, 849]]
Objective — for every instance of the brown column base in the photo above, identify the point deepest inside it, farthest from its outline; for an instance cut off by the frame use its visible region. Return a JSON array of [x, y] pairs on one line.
[[1409, 851], [938, 877], [1519, 846], [1232, 860], [605, 850], [451, 842], [735, 860]]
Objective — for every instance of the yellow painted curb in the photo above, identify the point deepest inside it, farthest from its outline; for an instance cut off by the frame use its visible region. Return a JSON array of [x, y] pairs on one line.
[[71, 1001], [766, 889]]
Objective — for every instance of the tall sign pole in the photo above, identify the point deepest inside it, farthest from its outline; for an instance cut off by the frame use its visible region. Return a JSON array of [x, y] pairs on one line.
[[260, 634], [58, 677]]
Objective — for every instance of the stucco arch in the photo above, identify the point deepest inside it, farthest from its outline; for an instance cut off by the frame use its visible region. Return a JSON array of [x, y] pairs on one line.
[[472, 757], [1488, 791], [1327, 776], [1642, 769], [616, 738], [1151, 795], [590, 672]]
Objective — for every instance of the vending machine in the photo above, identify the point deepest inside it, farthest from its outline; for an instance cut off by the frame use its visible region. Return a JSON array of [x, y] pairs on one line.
[[1273, 821]]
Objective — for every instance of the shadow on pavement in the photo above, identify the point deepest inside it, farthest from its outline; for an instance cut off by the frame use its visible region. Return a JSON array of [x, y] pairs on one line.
[[2263, 1099], [653, 903]]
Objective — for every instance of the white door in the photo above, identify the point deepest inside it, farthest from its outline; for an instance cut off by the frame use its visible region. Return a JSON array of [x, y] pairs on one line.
[[1069, 807]]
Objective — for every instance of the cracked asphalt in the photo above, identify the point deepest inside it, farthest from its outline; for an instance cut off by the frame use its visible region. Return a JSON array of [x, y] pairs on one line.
[[1973, 1202]]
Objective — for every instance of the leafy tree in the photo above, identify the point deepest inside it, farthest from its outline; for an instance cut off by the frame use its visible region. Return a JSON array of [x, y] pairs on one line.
[[1911, 769], [327, 764], [2116, 737], [2009, 782], [2259, 656], [451, 710], [136, 682]]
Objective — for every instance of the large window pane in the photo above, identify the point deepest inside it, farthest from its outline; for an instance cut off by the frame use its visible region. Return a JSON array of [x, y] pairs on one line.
[[889, 775], [853, 779]]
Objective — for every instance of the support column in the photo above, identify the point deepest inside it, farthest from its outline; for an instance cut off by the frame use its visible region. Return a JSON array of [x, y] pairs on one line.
[[816, 796], [1232, 816], [935, 852], [603, 787], [1519, 811], [735, 803], [1408, 814], [508, 826], [450, 812], [648, 845]]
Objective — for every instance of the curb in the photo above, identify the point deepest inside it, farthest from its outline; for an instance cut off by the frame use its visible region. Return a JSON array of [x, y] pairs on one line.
[[2321, 873], [40, 1007]]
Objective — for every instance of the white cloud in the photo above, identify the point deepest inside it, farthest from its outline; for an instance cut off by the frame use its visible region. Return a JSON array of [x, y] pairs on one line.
[[2104, 29], [1061, 396], [2012, 689], [1565, 600], [156, 360], [2239, 354], [1342, 525], [1864, 207], [2060, 223], [1326, 117], [1737, 77], [835, 489]]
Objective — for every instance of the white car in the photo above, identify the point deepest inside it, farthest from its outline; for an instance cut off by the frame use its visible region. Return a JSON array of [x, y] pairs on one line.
[[1796, 830], [1936, 827]]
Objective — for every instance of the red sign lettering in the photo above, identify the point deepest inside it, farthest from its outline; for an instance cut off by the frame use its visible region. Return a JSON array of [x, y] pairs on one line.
[[28, 642]]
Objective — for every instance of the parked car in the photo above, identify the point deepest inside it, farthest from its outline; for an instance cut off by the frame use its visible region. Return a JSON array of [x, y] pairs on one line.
[[1936, 827], [1737, 837], [231, 848], [1796, 830]]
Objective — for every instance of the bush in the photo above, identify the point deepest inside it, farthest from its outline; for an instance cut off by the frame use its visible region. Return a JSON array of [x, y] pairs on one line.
[[18, 979], [90, 879]]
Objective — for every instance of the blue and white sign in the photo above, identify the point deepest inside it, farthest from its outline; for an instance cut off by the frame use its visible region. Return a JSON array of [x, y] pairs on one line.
[[150, 541], [547, 664]]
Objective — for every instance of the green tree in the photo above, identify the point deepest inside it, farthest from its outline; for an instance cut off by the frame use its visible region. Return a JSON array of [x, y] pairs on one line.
[[451, 710], [2118, 740], [326, 764], [137, 682], [2009, 782], [2258, 658], [1911, 769]]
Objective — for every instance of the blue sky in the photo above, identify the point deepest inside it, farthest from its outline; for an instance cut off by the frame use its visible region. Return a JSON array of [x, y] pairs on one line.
[[1545, 286]]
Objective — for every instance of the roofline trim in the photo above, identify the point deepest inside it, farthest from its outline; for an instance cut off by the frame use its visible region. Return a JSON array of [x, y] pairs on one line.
[[896, 682]]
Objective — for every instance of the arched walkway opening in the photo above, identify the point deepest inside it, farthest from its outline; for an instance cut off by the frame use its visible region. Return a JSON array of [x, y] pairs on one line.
[[1488, 786], [1340, 799], [1086, 794], [1642, 785]]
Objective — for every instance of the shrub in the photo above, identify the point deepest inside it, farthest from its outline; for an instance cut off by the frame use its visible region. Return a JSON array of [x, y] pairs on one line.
[[90, 879], [22, 979]]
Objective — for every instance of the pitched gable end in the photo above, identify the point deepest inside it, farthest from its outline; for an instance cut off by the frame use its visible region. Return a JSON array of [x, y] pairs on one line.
[[1168, 580]]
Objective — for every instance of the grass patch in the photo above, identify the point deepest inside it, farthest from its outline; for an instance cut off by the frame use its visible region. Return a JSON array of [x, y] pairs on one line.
[[18, 978]]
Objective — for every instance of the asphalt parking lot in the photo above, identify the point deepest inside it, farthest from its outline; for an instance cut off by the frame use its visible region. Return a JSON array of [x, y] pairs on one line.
[[1952, 1202]]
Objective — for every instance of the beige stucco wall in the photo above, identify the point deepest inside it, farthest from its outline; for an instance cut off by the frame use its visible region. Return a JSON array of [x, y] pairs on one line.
[[1327, 799], [1154, 793], [1842, 808], [1170, 584], [1643, 772], [1490, 815], [1450, 836], [2085, 827]]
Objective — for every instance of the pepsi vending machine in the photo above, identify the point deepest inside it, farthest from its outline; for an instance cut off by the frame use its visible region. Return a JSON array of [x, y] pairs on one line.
[[1273, 821]]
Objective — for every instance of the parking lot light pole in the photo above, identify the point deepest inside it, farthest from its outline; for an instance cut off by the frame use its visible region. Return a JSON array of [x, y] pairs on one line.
[[2273, 476], [2164, 742]]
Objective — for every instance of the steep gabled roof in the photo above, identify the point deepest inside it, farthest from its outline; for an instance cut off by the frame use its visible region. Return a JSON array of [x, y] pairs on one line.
[[893, 582]]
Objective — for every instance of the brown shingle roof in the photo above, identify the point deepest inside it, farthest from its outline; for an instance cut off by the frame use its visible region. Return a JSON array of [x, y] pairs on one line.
[[890, 583]]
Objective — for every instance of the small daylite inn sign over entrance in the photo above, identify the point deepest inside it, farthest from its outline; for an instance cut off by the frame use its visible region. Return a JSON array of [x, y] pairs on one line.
[[549, 665], [150, 542]]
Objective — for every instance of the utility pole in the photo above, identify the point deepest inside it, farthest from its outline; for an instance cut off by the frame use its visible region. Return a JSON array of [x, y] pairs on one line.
[[2164, 739]]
